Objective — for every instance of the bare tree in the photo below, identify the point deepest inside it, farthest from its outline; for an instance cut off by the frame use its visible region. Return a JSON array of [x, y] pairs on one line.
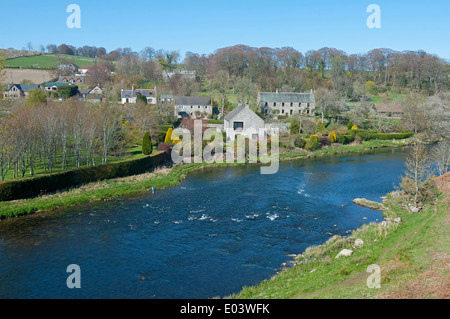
[[417, 169], [441, 156]]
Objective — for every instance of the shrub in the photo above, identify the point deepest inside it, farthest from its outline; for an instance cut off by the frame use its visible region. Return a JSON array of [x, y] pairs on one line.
[[166, 148], [147, 146], [350, 125], [299, 142], [324, 141], [295, 127], [319, 125], [168, 138], [312, 145], [332, 136]]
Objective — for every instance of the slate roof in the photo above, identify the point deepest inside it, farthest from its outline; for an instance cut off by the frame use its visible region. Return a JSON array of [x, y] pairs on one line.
[[192, 100], [235, 112], [131, 93], [26, 87], [389, 108], [286, 97]]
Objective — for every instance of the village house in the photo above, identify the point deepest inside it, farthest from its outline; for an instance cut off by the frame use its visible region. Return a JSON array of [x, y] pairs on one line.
[[193, 106], [93, 95], [243, 121], [389, 110], [130, 96], [53, 86], [15, 91], [191, 75], [70, 67], [167, 98], [71, 79], [286, 103]]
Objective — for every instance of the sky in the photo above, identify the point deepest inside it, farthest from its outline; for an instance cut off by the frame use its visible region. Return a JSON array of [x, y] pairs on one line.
[[202, 26]]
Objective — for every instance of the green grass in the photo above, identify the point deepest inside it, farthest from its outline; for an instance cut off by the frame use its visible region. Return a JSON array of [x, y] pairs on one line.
[[402, 251], [47, 61], [388, 98]]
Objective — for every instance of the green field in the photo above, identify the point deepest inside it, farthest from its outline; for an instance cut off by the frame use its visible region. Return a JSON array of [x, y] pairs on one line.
[[46, 62]]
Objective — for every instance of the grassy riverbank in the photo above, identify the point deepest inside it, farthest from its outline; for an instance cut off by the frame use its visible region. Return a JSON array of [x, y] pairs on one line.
[[413, 257], [160, 179]]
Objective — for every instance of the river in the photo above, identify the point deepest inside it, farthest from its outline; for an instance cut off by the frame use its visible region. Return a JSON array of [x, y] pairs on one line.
[[219, 230]]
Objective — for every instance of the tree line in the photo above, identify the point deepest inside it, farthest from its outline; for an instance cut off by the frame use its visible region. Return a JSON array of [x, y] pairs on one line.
[[58, 135]]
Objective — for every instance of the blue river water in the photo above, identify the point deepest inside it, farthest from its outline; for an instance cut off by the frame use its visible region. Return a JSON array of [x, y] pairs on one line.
[[219, 230]]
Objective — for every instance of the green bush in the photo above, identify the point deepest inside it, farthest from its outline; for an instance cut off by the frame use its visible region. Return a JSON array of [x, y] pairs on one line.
[[350, 125], [295, 127], [30, 187], [299, 142], [147, 146], [312, 144]]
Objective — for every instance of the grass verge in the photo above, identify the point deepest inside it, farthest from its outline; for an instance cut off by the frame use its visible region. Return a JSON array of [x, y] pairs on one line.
[[404, 252]]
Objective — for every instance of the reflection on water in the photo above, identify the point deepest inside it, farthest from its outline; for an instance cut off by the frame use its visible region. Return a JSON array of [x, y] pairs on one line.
[[219, 230]]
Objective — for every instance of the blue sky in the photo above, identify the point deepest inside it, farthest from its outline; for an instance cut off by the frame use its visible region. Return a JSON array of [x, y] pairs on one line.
[[203, 26]]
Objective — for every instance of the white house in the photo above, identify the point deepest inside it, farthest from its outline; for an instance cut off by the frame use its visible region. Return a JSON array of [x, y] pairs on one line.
[[130, 96], [243, 121]]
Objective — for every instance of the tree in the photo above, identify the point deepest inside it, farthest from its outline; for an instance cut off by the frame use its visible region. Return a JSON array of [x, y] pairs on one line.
[[67, 91], [295, 127], [416, 119], [330, 102], [441, 156], [147, 147], [141, 99], [417, 170], [36, 97], [222, 85], [2, 72]]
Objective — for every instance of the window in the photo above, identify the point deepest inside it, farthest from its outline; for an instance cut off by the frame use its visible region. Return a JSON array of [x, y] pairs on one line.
[[291, 112], [292, 104], [282, 104], [238, 126], [267, 104], [274, 103], [282, 111]]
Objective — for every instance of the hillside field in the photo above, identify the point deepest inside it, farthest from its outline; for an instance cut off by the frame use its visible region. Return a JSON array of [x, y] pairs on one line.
[[47, 61]]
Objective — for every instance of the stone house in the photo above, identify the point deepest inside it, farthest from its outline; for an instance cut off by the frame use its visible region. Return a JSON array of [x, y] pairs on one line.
[[243, 121], [286, 103], [15, 91], [130, 96], [193, 106], [93, 95]]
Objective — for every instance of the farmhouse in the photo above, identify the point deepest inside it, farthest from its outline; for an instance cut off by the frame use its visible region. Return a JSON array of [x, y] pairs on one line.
[[193, 106], [284, 103], [14, 91], [130, 96], [243, 121]]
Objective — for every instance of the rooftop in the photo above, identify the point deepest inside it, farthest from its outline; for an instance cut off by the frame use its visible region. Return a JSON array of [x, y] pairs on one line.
[[286, 97]]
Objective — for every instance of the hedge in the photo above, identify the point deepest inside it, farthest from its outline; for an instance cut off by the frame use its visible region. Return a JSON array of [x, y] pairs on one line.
[[371, 135], [30, 187]]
